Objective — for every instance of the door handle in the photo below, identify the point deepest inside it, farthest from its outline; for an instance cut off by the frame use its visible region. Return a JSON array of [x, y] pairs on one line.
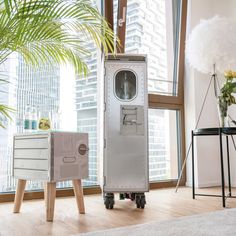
[[83, 149], [69, 159], [121, 21]]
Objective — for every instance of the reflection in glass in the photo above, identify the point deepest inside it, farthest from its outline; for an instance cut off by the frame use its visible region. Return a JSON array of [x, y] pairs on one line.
[[125, 85]]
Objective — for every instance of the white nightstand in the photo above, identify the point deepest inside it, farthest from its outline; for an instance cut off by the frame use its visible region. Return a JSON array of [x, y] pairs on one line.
[[50, 157]]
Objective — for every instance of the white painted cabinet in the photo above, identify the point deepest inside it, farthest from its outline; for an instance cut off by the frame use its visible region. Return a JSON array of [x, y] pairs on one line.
[[50, 156]]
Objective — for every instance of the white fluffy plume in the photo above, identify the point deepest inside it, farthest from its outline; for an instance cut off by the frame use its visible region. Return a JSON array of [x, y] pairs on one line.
[[212, 42]]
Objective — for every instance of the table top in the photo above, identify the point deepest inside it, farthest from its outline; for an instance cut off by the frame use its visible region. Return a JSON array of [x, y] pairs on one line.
[[215, 131], [45, 132]]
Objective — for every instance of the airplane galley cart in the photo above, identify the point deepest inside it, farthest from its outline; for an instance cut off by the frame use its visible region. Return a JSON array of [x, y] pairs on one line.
[[125, 164]]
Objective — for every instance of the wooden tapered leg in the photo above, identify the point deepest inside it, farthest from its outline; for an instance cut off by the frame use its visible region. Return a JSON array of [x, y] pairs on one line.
[[19, 195], [50, 200], [78, 190], [45, 192]]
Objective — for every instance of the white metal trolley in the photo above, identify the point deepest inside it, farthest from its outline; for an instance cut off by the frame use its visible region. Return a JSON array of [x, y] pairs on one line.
[[125, 165]]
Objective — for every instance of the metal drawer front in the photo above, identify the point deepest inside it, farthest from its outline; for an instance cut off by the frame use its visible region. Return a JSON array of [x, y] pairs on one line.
[[30, 174], [31, 143], [31, 164], [31, 154]]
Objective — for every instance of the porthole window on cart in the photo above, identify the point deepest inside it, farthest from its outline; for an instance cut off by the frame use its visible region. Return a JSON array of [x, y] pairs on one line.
[[125, 85]]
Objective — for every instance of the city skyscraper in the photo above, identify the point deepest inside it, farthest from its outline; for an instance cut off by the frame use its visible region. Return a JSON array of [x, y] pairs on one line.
[[86, 106], [27, 86], [38, 87]]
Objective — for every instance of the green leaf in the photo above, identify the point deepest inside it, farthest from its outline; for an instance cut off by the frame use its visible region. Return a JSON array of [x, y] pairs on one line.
[[233, 87], [58, 29]]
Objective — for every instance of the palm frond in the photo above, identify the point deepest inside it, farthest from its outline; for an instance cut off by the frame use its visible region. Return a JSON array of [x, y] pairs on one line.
[[5, 113], [55, 29], [3, 81]]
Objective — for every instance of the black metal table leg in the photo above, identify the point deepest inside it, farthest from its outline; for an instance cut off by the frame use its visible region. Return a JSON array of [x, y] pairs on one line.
[[222, 169], [193, 180], [228, 162], [219, 131]]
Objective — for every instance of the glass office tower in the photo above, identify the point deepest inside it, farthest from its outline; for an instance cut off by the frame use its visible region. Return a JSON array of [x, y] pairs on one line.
[[27, 86], [86, 107]]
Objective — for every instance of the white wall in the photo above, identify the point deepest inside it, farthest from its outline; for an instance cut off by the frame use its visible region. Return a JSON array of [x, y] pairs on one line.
[[207, 160]]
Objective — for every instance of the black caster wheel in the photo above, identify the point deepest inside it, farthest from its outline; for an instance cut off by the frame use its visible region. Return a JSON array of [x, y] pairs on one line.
[[132, 196], [140, 200], [111, 205], [109, 201]]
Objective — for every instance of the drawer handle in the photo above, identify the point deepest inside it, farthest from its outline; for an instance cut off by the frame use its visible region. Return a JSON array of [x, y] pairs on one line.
[[69, 159], [83, 149]]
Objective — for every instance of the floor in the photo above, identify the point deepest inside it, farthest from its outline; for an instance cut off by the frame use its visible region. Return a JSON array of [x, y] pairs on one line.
[[162, 204]]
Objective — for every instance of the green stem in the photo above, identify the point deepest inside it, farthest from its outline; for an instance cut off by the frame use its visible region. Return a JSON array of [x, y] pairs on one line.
[[222, 122]]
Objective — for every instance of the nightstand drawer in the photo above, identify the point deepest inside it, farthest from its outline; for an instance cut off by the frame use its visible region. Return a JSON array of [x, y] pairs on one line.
[[31, 143], [31, 164], [31, 154], [30, 174]]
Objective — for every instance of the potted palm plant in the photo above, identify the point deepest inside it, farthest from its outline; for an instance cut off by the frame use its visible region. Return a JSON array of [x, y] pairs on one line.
[[51, 29]]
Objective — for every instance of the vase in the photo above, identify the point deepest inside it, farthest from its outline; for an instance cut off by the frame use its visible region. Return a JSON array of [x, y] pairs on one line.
[[44, 121], [223, 112]]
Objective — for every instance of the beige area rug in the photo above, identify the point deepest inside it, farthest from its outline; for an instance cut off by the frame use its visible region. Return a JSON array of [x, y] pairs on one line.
[[217, 223]]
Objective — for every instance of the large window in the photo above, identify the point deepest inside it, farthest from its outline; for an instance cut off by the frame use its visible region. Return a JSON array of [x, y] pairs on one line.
[[152, 28]]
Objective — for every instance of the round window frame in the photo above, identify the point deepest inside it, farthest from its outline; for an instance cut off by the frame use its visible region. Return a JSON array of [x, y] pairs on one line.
[[114, 85]]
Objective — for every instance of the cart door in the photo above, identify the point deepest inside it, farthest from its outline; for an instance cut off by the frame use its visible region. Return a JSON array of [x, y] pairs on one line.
[[125, 149]]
